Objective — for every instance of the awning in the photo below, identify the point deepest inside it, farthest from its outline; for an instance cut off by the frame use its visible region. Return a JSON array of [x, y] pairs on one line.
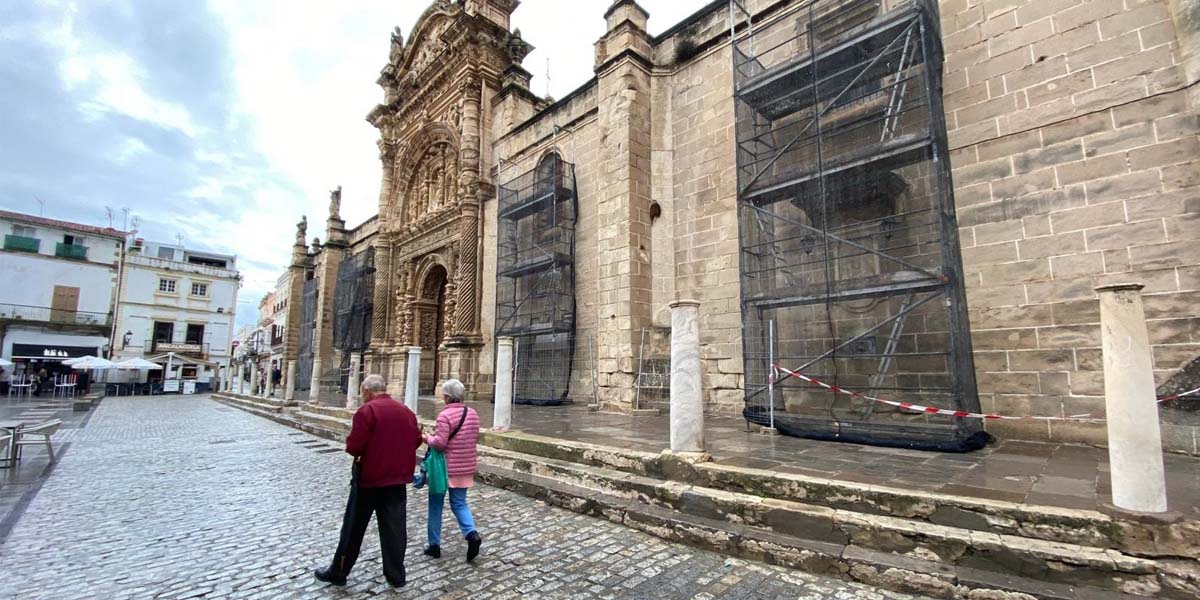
[[52, 352]]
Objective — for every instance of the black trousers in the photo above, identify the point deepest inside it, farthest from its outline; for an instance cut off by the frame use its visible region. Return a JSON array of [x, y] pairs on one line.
[[389, 506]]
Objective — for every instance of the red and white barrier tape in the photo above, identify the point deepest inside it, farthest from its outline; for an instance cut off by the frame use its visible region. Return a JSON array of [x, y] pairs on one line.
[[933, 410]]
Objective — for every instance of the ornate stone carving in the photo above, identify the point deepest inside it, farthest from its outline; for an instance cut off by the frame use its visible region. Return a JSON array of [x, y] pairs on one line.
[[429, 339], [397, 49], [335, 203], [302, 230]]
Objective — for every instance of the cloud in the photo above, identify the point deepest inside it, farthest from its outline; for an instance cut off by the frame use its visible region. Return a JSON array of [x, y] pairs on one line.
[[224, 121]]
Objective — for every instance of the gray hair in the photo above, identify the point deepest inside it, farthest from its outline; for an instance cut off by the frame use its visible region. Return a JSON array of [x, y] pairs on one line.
[[454, 389], [374, 384]]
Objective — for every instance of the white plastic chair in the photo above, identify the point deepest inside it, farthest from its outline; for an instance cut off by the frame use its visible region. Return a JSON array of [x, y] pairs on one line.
[[38, 435]]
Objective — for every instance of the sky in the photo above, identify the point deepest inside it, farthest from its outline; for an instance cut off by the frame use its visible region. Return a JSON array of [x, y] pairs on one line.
[[221, 122]]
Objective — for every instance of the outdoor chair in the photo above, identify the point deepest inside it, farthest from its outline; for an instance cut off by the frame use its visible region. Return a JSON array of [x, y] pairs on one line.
[[37, 435], [5, 438]]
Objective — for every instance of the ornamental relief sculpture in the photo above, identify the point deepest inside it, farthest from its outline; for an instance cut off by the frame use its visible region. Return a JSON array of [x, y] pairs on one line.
[[433, 183]]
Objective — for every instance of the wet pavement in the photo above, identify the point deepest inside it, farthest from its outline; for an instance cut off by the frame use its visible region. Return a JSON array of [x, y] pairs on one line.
[[19, 483], [1062, 475], [182, 497]]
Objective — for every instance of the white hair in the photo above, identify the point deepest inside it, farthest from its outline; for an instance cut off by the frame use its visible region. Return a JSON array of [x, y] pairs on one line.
[[374, 384], [454, 389]]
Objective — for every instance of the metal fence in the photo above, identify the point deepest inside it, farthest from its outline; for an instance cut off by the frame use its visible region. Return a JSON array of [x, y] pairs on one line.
[[850, 263], [535, 291], [45, 314]]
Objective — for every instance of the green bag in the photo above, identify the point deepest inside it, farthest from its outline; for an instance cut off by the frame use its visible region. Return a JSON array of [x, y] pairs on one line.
[[435, 472]]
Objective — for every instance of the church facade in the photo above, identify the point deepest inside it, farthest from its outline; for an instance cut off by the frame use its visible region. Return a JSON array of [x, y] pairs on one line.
[[1058, 151]]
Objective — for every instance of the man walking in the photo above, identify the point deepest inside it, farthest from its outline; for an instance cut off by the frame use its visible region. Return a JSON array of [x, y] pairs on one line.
[[383, 441]]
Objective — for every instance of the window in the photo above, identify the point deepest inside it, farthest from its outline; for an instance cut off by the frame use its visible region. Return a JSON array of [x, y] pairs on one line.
[[195, 334], [167, 253], [164, 332], [166, 286], [199, 289], [73, 240], [23, 231]]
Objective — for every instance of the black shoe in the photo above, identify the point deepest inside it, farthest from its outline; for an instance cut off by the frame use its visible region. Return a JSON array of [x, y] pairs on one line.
[[473, 544], [328, 576], [394, 583], [433, 551]]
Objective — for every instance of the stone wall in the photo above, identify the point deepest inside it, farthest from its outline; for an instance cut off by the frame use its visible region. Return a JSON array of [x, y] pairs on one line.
[[1076, 162]]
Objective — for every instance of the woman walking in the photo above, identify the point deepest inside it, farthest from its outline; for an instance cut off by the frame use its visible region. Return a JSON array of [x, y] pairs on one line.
[[456, 433]]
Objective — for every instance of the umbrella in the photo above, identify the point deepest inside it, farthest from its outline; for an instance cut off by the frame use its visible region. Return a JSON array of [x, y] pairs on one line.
[[138, 363], [92, 362], [5, 363]]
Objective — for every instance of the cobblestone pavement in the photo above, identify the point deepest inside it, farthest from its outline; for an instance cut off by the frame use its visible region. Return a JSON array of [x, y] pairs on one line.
[[180, 497]]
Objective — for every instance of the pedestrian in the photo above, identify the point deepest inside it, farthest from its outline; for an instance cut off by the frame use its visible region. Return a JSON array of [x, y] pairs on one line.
[[456, 433], [42, 381], [383, 440]]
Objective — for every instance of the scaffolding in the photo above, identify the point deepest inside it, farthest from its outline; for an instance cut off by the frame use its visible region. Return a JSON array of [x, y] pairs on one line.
[[353, 307], [850, 263], [308, 327], [535, 291]]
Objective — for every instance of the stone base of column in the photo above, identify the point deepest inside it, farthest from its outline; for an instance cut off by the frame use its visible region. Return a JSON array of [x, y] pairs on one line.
[[462, 363], [689, 457], [646, 412]]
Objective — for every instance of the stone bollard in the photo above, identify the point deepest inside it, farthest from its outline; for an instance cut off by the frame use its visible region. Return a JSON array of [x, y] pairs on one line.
[[352, 381], [412, 378], [1134, 438], [314, 386], [502, 412], [289, 391], [687, 396], [254, 381], [270, 375], [241, 383]]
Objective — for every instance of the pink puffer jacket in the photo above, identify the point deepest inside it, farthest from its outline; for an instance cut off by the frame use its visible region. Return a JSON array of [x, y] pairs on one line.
[[460, 453]]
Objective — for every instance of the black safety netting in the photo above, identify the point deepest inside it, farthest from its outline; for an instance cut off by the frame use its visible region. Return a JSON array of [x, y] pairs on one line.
[[535, 289], [308, 326], [353, 308], [850, 264]]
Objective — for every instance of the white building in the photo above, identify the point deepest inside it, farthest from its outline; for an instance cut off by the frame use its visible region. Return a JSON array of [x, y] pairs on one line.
[[178, 306], [283, 287], [59, 288]]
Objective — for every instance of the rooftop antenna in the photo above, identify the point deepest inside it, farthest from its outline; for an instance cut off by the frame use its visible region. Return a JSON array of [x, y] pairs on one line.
[[125, 218], [109, 213], [179, 238], [547, 76], [41, 206]]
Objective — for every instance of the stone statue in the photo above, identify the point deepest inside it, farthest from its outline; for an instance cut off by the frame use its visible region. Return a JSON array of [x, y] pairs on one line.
[[316, 245], [301, 230], [335, 203], [397, 46]]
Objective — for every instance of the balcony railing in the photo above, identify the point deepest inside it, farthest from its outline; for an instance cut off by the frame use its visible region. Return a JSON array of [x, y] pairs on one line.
[[175, 265], [73, 251], [21, 243], [44, 314]]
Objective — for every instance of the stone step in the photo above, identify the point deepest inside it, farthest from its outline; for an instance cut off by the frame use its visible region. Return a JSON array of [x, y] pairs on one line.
[[850, 561], [941, 549], [1179, 538], [249, 403]]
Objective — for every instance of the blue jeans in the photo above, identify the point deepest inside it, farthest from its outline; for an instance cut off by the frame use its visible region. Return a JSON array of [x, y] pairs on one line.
[[458, 505]]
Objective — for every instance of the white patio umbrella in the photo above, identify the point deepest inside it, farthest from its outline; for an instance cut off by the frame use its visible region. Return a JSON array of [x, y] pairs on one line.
[[88, 363], [138, 363]]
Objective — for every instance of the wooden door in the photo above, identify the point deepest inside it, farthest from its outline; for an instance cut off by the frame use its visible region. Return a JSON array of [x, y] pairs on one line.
[[64, 303]]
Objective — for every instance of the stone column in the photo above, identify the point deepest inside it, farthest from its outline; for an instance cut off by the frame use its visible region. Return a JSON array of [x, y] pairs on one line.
[[270, 382], [502, 412], [352, 382], [239, 386], [289, 392], [314, 386], [1134, 438], [687, 396], [254, 380], [412, 378]]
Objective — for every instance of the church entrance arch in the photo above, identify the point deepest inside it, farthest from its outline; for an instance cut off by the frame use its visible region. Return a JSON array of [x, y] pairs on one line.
[[431, 319]]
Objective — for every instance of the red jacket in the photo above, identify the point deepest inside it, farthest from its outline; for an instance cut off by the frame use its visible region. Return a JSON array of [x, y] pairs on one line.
[[384, 439], [460, 451]]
